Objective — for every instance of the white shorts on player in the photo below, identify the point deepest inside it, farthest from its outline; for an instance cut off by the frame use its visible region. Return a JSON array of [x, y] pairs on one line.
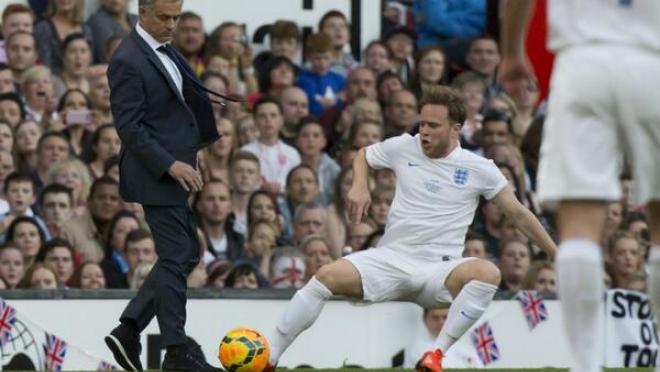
[[388, 274], [603, 104]]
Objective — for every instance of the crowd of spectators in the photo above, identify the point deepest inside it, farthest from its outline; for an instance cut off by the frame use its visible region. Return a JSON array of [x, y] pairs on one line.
[[271, 211]]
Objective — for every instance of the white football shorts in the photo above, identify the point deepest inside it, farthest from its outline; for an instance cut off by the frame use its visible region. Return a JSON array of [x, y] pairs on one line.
[[388, 274], [603, 104]]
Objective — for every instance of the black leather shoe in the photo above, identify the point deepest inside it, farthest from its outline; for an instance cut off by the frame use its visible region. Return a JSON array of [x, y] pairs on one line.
[[124, 342], [188, 357]]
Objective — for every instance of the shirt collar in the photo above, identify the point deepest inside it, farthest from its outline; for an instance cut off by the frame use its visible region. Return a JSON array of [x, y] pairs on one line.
[[153, 43]]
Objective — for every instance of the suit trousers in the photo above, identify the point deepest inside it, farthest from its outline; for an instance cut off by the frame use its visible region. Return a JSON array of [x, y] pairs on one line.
[[163, 293]]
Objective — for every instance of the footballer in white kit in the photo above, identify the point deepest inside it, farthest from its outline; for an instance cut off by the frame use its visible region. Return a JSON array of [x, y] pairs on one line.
[[604, 105], [418, 259]]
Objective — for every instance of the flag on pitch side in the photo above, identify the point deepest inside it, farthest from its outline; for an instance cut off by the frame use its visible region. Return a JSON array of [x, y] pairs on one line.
[[105, 366], [7, 320], [54, 352], [533, 307], [483, 340]]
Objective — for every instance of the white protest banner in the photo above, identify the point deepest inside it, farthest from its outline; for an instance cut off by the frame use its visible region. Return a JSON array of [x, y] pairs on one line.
[[630, 330]]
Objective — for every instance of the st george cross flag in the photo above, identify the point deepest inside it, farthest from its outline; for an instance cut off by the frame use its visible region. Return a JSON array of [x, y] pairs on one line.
[[54, 353], [484, 341], [7, 320], [533, 307]]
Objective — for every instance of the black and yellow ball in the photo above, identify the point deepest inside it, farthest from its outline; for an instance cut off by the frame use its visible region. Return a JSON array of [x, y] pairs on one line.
[[244, 350]]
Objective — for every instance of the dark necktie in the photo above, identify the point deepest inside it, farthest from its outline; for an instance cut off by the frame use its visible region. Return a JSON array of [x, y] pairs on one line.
[[187, 75]]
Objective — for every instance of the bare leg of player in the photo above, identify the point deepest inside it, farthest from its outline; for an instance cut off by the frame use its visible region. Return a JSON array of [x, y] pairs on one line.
[[338, 278], [580, 279], [653, 283]]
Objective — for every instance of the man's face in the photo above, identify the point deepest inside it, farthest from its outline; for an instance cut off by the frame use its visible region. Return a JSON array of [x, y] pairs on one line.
[[245, 176], [189, 36], [295, 105], [310, 222], [435, 319], [140, 251], [311, 140], [17, 22], [21, 52], [436, 131], [10, 112], [287, 47], [361, 83], [105, 202], [52, 150], [56, 208], [302, 186], [483, 57], [215, 203], [100, 92], [160, 19], [401, 46], [7, 81], [337, 29], [402, 110], [116, 6], [495, 133], [269, 120]]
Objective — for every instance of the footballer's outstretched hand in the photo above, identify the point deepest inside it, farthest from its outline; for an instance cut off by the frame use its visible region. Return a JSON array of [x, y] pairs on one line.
[[358, 200]]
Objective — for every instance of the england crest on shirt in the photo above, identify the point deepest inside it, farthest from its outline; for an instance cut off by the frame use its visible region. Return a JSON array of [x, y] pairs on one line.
[[461, 176]]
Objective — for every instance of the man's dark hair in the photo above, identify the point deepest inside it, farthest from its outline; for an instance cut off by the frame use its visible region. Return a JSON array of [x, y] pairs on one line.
[[4, 66], [48, 135], [55, 188], [11, 96], [484, 37], [105, 180], [266, 100], [52, 244], [283, 29], [331, 14], [440, 95], [15, 177], [494, 115], [189, 15], [136, 236], [297, 168], [309, 120]]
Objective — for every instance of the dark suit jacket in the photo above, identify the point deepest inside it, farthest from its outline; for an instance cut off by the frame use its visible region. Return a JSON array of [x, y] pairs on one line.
[[157, 125]]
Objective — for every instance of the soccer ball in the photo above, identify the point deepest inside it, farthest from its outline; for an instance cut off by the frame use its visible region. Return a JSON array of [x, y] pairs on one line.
[[244, 350]]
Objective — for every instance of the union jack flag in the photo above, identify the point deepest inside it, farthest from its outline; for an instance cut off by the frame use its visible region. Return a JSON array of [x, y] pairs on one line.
[[533, 307], [105, 366], [484, 341], [54, 352], [7, 320]]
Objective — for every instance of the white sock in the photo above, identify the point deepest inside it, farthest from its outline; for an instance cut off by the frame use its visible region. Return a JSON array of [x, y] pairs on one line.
[[464, 311], [580, 289], [653, 284], [300, 314]]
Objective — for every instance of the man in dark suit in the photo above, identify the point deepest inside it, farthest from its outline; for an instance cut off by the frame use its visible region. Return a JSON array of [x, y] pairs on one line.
[[163, 118]]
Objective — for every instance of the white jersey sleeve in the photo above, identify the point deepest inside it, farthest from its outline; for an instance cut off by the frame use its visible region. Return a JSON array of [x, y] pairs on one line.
[[381, 155], [493, 181]]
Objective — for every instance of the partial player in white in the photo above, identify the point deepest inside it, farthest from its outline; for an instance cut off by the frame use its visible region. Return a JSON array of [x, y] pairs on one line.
[[603, 104], [418, 259]]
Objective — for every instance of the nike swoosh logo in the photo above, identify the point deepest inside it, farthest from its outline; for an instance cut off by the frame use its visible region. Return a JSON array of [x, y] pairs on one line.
[[467, 316], [411, 164]]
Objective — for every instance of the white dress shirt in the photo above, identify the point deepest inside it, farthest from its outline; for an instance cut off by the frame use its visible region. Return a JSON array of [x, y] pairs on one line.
[[169, 65]]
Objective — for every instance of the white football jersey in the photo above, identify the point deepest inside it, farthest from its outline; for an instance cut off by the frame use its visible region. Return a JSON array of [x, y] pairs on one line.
[[629, 22], [435, 199]]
